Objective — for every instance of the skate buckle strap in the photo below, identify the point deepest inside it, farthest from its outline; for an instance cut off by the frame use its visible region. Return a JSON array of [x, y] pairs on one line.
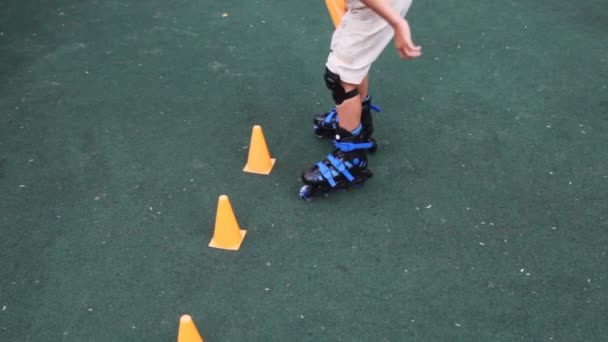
[[326, 172], [330, 116], [347, 147], [375, 108], [339, 165]]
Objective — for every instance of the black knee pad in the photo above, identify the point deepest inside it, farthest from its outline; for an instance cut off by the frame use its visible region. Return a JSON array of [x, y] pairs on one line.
[[332, 81]]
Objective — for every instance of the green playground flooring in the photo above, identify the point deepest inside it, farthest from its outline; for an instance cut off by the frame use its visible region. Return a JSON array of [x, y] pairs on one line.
[[122, 122]]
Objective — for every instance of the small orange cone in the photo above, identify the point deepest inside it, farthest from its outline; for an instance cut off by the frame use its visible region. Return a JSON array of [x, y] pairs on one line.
[[227, 234], [337, 9], [187, 330], [259, 160]]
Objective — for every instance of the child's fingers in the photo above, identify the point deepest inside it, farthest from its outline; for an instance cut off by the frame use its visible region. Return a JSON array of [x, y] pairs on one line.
[[407, 52], [416, 52]]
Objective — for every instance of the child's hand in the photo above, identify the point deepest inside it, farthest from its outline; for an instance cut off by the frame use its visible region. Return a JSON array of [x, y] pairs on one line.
[[403, 41]]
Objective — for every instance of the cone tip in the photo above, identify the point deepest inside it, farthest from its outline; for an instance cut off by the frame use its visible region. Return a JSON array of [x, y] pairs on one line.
[[257, 127], [185, 319], [223, 197]]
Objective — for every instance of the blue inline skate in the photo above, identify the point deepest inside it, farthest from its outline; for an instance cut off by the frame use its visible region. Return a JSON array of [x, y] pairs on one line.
[[325, 124], [345, 167]]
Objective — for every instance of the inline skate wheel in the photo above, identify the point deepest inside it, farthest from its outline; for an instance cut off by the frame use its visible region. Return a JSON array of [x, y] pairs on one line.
[[305, 193]]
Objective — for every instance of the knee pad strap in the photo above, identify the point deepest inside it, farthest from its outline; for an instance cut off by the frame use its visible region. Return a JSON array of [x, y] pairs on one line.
[[332, 81]]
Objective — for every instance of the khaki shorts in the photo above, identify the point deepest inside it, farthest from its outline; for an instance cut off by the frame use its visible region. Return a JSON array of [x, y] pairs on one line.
[[359, 39]]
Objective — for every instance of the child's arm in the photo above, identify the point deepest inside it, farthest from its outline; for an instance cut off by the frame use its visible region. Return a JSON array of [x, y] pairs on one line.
[[403, 36]]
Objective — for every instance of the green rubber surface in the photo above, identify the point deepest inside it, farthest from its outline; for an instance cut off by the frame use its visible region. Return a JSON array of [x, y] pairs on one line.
[[121, 123]]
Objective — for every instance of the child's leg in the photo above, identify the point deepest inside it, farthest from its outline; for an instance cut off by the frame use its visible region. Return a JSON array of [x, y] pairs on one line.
[[325, 124], [349, 112], [363, 91], [346, 166]]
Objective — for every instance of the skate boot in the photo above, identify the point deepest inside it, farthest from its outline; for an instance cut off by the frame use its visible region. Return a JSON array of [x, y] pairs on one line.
[[345, 167], [325, 124]]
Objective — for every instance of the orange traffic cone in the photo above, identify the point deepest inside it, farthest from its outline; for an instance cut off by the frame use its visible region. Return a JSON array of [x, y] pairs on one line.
[[227, 234], [259, 160], [336, 9], [187, 330]]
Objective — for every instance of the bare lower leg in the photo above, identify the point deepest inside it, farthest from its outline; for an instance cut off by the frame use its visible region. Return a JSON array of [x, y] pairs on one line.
[[363, 92], [349, 111]]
